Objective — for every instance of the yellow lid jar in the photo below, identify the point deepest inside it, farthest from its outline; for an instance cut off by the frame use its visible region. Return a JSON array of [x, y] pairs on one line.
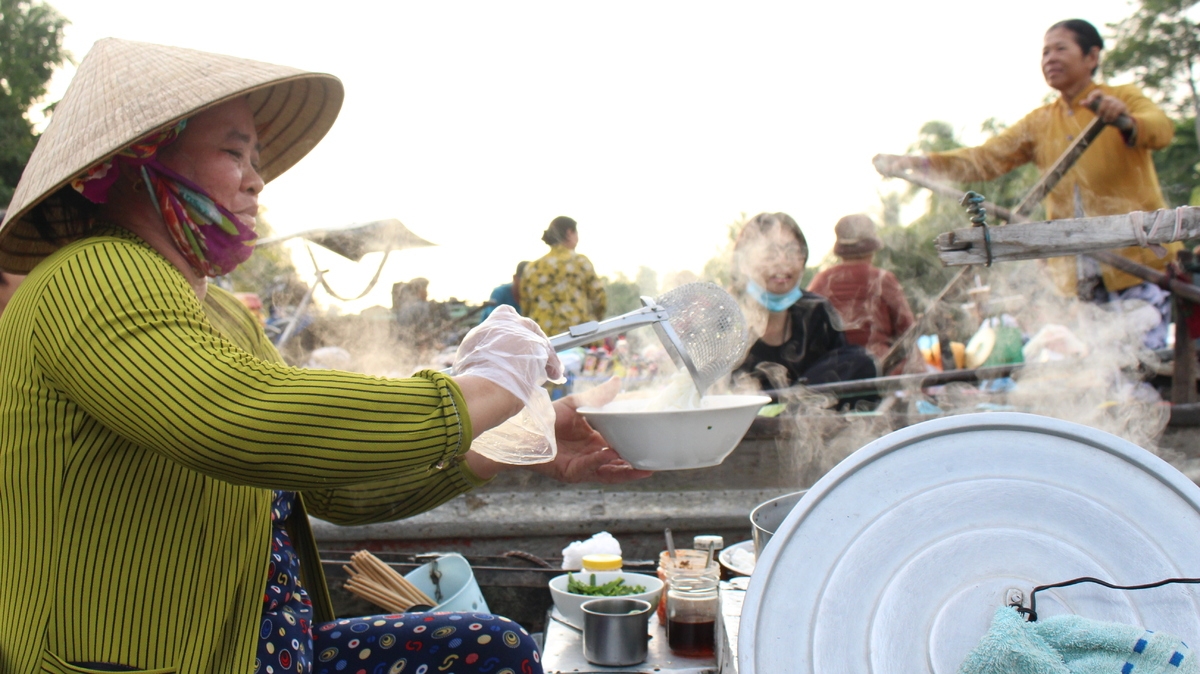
[[602, 562]]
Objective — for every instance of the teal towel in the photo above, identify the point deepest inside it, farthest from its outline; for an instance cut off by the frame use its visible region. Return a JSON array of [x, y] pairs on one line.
[[1069, 644]]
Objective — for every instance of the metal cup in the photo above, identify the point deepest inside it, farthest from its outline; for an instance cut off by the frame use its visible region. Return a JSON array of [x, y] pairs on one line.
[[615, 631]]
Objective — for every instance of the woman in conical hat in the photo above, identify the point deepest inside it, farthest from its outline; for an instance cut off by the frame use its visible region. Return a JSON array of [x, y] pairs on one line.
[[157, 458]]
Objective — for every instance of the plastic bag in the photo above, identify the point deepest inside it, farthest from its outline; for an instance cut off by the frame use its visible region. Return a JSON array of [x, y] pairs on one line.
[[602, 543]]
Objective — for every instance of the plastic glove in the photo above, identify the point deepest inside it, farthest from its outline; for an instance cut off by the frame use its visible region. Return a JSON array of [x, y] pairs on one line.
[[513, 353], [525, 439], [509, 351]]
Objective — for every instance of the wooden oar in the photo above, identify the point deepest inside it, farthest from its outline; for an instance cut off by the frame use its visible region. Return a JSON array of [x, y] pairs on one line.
[[1051, 177], [899, 349], [861, 387]]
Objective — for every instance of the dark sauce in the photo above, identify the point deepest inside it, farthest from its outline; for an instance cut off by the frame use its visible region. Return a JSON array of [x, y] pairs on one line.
[[691, 639]]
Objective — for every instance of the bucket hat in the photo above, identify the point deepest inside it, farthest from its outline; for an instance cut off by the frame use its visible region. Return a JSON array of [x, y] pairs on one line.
[[124, 91], [856, 236]]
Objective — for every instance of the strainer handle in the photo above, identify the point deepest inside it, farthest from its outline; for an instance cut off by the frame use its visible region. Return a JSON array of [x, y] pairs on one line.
[[585, 333]]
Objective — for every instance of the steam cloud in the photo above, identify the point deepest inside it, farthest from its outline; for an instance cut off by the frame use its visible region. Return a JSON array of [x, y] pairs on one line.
[[1101, 389]]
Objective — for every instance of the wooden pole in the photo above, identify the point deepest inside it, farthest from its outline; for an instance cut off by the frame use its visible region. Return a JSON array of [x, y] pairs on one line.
[[945, 190], [1183, 289], [1050, 178], [1180, 288], [900, 347], [1183, 380], [860, 387], [1075, 236]]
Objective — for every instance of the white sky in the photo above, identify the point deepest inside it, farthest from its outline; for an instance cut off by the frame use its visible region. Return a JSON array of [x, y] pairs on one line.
[[653, 124]]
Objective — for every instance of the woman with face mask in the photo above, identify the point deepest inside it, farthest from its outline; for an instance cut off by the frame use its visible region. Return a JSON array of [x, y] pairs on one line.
[[1114, 176], [799, 331], [158, 460]]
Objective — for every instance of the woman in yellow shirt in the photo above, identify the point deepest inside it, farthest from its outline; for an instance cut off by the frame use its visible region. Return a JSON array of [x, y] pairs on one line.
[[157, 459], [561, 289], [1114, 176]]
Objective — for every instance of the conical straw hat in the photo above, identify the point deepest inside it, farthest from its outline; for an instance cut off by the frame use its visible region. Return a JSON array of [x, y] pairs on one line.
[[126, 90]]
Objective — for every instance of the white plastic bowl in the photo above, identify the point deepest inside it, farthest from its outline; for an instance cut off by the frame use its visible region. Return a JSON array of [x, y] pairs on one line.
[[460, 591], [570, 604], [676, 439]]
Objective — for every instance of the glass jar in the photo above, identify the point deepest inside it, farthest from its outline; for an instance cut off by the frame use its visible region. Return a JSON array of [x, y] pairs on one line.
[[685, 562], [692, 608]]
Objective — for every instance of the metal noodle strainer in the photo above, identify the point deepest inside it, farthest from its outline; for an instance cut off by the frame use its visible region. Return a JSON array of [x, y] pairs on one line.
[[700, 325]]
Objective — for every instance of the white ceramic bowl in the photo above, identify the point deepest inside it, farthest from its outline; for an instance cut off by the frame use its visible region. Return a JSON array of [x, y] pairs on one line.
[[738, 558], [570, 605], [676, 439]]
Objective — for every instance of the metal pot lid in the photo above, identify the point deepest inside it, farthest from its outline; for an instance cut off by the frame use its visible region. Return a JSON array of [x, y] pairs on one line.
[[896, 559]]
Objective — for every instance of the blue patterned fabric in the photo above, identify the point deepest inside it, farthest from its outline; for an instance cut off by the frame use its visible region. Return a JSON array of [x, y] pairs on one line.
[[400, 643], [416, 643], [285, 638]]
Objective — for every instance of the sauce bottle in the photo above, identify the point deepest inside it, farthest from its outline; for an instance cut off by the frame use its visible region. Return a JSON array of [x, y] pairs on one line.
[[692, 615]]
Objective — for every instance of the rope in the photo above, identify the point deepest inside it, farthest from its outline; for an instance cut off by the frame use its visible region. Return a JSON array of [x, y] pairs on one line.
[[371, 285], [973, 201], [1137, 220], [529, 557]]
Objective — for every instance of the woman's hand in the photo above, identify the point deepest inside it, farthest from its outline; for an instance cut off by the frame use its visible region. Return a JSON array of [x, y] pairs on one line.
[[583, 455], [1107, 108], [501, 364], [891, 164]]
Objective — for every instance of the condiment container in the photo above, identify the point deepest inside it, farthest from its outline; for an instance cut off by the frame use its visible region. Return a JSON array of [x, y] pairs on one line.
[[706, 543], [686, 562], [601, 562], [711, 545], [691, 614], [615, 631]]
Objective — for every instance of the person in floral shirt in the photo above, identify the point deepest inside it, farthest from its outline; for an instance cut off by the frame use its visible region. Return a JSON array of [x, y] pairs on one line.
[[561, 288]]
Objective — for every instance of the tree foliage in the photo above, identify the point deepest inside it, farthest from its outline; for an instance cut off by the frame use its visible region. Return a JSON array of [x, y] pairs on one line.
[[268, 270], [623, 295], [1178, 166], [31, 47], [1159, 45]]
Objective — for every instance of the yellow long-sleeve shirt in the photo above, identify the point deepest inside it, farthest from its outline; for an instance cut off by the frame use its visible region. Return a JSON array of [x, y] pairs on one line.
[[1112, 177], [141, 434]]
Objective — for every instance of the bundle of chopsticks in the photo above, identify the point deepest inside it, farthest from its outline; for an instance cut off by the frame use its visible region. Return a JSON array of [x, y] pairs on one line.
[[375, 581]]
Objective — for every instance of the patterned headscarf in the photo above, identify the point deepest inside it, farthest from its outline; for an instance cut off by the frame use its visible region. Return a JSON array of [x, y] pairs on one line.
[[213, 240]]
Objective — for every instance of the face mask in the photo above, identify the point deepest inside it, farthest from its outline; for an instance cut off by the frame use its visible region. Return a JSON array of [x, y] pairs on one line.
[[211, 239], [773, 301]]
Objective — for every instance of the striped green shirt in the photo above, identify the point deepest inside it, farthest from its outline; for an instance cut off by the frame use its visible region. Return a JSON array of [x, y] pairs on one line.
[[141, 434]]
